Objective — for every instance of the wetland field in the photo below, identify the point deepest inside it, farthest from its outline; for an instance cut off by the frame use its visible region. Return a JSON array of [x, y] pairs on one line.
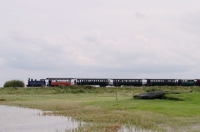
[[109, 109]]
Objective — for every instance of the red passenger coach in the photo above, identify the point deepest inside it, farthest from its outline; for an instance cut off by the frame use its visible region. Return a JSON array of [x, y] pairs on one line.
[[59, 82]]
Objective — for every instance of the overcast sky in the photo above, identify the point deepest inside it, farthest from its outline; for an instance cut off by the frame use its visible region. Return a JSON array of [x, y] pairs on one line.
[[99, 38]]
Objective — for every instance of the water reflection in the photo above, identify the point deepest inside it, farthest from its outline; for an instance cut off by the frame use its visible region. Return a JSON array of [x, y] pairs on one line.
[[132, 129], [16, 119]]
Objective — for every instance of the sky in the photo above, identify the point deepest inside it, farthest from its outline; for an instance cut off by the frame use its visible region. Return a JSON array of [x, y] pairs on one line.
[[101, 39]]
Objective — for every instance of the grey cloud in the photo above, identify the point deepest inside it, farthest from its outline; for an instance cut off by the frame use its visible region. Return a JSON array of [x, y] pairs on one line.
[[102, 38], [139, 15]]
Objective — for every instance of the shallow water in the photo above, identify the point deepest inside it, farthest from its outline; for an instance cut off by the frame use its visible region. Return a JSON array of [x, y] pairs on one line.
[[132, 129], [17, 119]]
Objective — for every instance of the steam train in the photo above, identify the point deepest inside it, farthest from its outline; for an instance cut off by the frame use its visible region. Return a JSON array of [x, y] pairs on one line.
[[103, 82]]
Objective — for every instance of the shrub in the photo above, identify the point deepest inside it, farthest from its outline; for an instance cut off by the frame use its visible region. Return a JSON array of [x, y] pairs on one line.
[[14, 83]]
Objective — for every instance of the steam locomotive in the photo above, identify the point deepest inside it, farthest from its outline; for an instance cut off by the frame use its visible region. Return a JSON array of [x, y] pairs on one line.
[[103, 82]]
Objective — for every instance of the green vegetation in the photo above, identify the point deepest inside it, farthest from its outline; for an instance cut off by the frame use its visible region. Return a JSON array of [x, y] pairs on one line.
[[14, 83], [175, 112]]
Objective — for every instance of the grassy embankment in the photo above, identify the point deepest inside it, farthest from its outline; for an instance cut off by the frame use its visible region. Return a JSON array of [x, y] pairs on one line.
[[177, 112]]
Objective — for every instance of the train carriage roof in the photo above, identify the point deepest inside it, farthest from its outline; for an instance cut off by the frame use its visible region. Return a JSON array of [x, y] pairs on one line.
[[161, 79], [127, 79], [92, 78], [59, 78]]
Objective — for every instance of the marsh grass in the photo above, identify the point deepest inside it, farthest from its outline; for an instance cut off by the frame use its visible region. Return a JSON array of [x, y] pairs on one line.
[[100, 107]]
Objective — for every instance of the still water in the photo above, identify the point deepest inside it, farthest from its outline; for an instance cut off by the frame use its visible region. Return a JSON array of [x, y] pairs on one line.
[[17, 119]]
